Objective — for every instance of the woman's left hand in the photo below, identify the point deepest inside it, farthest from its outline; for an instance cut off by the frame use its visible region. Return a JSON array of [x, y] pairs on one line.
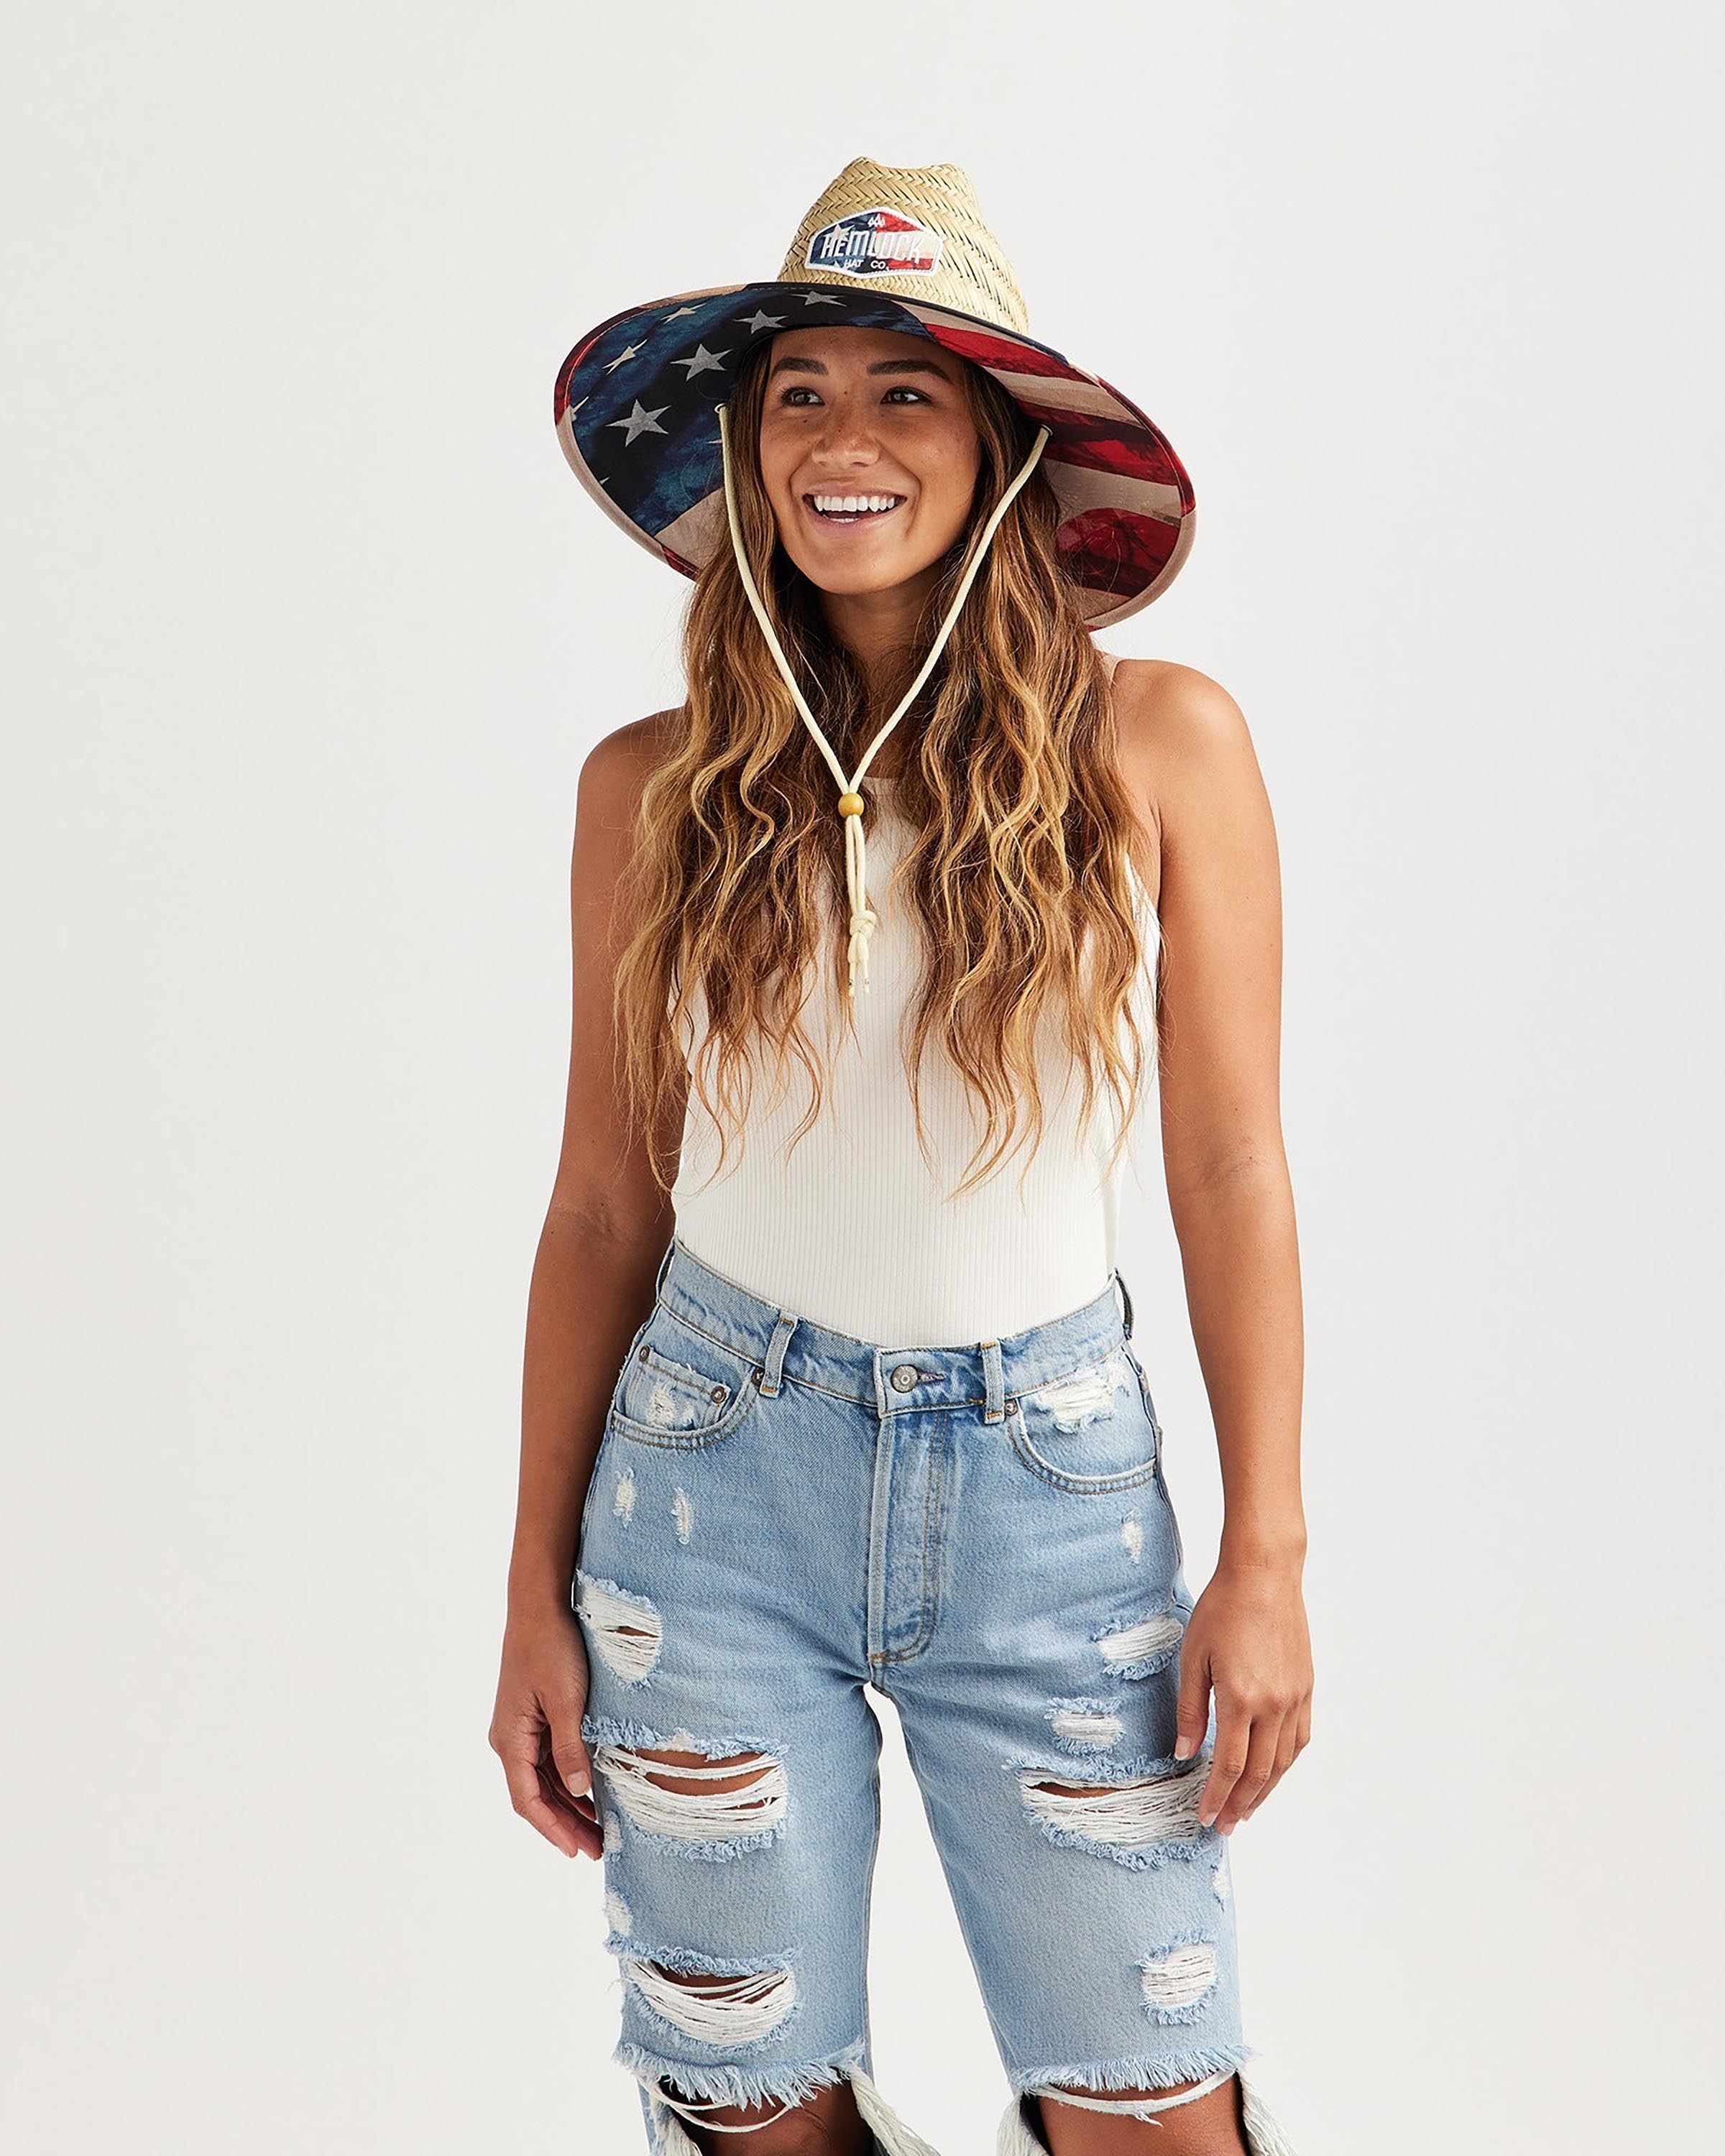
[[1248, 1641]]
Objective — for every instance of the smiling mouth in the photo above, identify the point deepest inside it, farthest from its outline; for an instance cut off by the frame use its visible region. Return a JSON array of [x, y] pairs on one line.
[[852, 508]]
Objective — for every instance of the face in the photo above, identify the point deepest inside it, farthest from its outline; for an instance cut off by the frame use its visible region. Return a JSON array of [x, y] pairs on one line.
[[869, 455]]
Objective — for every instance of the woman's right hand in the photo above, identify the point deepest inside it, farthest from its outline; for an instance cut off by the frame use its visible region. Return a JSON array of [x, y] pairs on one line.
[[536, 1726]]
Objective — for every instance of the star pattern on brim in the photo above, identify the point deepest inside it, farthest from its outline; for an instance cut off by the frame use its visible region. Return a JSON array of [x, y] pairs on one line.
[[1125, 500], [639, 422], [700, 360]]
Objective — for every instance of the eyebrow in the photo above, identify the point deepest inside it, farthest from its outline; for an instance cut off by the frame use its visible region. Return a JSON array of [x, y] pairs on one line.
[[793, 363]]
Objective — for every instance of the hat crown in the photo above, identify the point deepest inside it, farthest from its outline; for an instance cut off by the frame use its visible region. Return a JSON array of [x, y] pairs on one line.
[[934, 244]]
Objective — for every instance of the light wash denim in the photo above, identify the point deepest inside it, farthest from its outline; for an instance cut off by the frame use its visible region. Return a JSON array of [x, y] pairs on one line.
[[781, 1516]]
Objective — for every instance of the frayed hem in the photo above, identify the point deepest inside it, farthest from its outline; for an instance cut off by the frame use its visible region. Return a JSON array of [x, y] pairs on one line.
[[789, 2086], [738, 2084], [1110, 2077]]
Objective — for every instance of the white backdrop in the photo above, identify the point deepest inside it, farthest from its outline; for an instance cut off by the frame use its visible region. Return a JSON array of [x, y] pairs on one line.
[[309, 630]]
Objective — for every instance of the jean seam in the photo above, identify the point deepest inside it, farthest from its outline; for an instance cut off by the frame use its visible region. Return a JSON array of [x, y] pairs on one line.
[[931, 1574]]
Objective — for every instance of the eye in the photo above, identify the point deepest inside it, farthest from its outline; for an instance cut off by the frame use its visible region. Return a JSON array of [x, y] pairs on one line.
[[795, 391], [904, 389]]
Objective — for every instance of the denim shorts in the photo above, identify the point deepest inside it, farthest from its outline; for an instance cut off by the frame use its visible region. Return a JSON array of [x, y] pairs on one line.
[[781, 1516]]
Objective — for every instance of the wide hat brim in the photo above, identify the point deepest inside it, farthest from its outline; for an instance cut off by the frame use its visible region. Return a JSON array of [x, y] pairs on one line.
[[634, 408]]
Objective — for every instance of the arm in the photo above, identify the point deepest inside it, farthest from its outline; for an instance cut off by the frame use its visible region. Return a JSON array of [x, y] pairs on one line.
[[1190, 760], [605, 1231]]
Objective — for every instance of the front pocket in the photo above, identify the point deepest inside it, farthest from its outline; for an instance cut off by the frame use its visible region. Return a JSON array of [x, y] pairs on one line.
[[679, 1388], [1093, 1430]]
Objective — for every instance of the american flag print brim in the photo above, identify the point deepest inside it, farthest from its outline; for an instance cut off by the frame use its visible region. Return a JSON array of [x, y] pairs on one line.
[[636, 400]]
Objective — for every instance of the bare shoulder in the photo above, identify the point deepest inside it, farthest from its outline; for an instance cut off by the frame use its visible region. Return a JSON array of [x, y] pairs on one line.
[[1186, 751], [1171, 715], [612, 774], [619, 765]]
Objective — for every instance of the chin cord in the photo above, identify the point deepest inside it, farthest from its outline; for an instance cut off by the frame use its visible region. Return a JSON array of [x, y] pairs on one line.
[[863, 916]]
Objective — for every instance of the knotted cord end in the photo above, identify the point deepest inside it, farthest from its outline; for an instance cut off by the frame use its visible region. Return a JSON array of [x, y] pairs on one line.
[[864, 919], [863, 924]]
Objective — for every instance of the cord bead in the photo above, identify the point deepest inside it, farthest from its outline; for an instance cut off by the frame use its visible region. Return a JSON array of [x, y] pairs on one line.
[[850, 804]]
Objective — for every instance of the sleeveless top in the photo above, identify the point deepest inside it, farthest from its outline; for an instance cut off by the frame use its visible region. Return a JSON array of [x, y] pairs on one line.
[[851, 1228]]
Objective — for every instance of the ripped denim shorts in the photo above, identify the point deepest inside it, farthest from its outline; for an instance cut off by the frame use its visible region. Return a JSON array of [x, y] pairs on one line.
[[780, 1516]]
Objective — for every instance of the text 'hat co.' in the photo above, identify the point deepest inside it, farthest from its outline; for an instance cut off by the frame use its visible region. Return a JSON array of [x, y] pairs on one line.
[[640, 406]]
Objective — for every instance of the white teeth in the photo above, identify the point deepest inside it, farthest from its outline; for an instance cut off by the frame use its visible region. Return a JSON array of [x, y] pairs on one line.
[[853, 504]]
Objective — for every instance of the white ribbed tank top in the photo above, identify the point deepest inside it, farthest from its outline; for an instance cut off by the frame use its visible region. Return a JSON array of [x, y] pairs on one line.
[[851, 1228]]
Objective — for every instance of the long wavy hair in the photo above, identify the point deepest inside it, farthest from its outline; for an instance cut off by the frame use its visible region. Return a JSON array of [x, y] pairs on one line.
[[1019, 872]]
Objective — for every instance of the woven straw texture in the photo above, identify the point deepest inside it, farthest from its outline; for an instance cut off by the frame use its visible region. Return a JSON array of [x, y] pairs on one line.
[[972, 274]]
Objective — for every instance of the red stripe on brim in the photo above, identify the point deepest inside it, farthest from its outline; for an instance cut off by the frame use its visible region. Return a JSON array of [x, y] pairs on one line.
[[1111, 549], [1101, 445], [999, 354]]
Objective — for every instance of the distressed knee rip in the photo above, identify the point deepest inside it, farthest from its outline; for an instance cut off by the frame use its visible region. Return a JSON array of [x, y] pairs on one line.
[[624, 1628], [706, 1805], [1141, 1646], [1138, 1819], [1084, 1725], [1178, 1982], [725, 2004]]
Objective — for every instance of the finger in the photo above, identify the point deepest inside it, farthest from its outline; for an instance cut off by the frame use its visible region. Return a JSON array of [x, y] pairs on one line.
[[569, 1754], [563, 1824], [1288, 1749], [1264, 1726], [1234, 1733], [566, 1769], [1192, 1710], [1277, 1730], [580, 1815]]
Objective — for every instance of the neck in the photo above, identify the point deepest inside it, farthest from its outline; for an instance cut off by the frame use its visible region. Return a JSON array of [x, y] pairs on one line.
[[879, 629]]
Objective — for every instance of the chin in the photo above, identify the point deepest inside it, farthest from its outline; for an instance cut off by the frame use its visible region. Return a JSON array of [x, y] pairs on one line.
[[856, 583], [853, 578]]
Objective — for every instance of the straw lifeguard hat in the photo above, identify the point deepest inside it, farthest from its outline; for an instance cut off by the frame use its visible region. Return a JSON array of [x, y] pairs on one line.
[[902, 248]]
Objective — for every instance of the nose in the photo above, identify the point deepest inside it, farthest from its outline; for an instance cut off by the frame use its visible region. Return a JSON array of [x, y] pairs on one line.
[[846, 441]]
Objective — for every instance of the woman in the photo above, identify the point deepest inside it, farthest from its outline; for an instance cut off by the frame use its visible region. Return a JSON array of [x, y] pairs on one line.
[[805, 1410]]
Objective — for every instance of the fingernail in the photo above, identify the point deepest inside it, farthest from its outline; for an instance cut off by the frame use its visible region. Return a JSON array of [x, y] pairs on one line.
[[1184, 1747]]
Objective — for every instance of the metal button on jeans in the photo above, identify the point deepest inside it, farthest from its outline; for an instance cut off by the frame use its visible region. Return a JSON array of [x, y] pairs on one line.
[[904, 1376]]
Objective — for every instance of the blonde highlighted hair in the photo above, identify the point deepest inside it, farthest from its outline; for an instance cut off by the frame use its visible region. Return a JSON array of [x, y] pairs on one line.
[[1020, 873]]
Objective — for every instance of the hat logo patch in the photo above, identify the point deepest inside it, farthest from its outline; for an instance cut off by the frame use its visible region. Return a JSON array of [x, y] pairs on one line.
[[876, 242]]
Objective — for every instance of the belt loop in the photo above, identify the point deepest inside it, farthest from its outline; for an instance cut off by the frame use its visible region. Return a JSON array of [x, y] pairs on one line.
[[772, 1372], [993, 1384], [1126, 1300], [664, 1267]]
